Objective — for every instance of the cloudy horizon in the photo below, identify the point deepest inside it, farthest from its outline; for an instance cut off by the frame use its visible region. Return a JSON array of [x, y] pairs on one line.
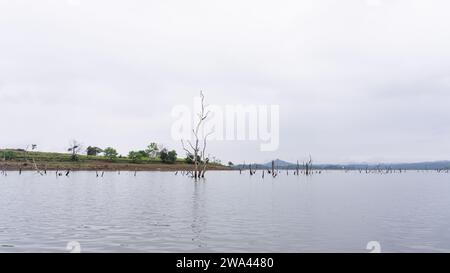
[[355, 80]]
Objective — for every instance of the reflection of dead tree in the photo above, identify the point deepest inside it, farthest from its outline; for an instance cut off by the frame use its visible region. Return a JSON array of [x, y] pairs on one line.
[[197, 150]]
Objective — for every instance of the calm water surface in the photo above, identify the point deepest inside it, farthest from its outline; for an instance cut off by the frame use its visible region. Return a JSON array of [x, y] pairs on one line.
[[161, 212]]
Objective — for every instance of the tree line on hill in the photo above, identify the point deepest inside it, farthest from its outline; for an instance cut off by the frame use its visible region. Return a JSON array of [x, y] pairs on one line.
[[153, 151]]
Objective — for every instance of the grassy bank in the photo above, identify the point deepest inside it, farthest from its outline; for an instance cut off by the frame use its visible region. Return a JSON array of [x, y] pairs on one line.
[[21, 160]]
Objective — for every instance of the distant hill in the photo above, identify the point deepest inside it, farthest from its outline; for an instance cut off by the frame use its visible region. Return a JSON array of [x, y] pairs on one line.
[[281, 164], [278, 163]]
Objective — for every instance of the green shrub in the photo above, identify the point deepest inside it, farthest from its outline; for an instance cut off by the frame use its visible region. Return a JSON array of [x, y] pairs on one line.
[[168, 156], [137, 156], [110, 153], [93, 151], [7, 155], [190, 159]]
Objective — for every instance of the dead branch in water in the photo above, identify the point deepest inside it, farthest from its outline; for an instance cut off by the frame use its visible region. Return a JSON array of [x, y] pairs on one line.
[[197, 149]]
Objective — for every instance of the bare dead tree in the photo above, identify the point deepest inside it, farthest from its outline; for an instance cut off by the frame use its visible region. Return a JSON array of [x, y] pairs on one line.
[[273, 168], [75, 148], [197, 148], [308, 166], [33, 162]]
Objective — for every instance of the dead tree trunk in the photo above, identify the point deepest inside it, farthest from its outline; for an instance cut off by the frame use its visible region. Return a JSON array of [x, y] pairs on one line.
[[196, 149]]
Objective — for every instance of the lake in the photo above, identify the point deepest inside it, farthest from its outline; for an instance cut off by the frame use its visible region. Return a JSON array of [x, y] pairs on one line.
[[228, 212]]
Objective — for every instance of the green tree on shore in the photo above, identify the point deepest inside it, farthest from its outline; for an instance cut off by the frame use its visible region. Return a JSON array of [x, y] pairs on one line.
[[190, 158], [110, 153], [137, 156], [168, 156], [7, 155], [93, 151]]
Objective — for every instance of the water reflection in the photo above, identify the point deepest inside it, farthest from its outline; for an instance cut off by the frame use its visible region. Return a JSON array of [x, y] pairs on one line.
[[199, 217], [160, 212]]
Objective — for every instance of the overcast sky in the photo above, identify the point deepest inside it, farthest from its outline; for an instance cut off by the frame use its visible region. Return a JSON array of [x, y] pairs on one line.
[[356, 80]]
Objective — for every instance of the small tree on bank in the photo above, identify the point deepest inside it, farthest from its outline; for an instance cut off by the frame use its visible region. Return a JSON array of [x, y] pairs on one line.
[[75, 148], [190, 159], [167, 156], [137, 156], [93, 151], [110, 153]]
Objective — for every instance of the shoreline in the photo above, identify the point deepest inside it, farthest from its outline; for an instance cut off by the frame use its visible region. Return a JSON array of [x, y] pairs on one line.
[[102, 166]]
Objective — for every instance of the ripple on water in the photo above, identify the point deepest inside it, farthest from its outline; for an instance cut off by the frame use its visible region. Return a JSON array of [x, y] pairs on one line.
[[159, 212]]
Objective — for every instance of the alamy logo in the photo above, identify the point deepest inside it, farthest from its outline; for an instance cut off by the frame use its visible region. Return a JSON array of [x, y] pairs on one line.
[[374, 247], [230, 123], [73, 247]]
